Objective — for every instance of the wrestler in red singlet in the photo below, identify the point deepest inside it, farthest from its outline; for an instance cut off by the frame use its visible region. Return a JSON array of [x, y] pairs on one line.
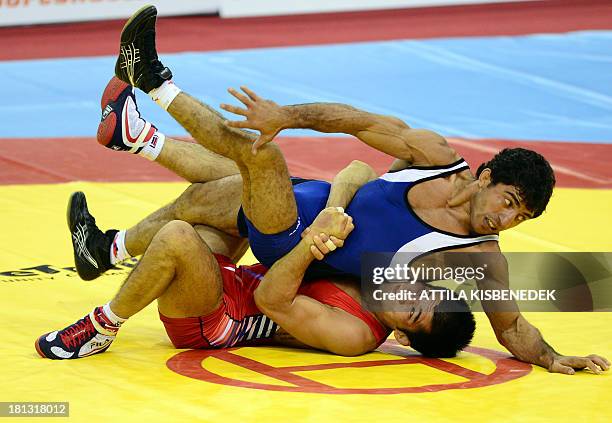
[[238, 322]]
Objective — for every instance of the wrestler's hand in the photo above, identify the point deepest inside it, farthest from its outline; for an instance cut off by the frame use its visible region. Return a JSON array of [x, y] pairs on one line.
[[263, 115], [569, 364], [328, 231]]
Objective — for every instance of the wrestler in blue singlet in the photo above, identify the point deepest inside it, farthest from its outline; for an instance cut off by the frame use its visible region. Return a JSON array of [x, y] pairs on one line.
[[384, 221]]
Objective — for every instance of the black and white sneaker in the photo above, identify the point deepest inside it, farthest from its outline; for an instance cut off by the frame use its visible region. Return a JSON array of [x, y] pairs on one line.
[[90, 245], [138, 64]]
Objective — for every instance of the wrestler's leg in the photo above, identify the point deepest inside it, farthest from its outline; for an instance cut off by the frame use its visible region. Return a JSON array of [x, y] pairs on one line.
[[267, 195], [193, 162], [219, 242], [177, 261], [122, 128], [178, 268], [215, 203]]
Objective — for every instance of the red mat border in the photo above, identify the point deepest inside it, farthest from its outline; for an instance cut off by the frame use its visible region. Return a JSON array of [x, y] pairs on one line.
[[57, 160]]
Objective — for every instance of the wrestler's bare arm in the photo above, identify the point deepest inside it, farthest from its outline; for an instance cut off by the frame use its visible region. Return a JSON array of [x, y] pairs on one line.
[[384, 133], [519, 336], [347, 182], [344, 187], [309, 321]]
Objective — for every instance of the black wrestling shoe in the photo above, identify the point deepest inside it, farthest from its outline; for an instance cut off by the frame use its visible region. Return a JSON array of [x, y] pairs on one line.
[[90, 245], [138, 64]]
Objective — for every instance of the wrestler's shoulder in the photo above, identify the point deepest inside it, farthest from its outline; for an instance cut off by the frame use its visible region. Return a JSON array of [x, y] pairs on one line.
[[482, 247]]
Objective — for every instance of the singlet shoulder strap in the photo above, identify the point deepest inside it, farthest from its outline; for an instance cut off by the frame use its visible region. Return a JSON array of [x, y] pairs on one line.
[[439, 241], [417, 173], [434, 242]]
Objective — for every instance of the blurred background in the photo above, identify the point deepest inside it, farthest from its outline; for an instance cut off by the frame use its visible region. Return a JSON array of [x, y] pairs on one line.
[[496, 73]]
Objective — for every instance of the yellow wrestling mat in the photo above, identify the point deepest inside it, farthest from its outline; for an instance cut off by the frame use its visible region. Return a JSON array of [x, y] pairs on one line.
[[143, 379]]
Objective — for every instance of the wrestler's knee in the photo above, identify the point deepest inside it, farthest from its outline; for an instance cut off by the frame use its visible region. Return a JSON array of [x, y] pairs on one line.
[[186, 206], [267, 155], [177, 236]]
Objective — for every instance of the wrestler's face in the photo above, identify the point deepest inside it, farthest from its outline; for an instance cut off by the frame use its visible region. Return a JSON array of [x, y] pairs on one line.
[[416, 315], [496, 207]]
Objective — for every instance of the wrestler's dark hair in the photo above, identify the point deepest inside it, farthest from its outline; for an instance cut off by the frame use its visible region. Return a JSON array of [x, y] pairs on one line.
[[526, 170], [452, 329]]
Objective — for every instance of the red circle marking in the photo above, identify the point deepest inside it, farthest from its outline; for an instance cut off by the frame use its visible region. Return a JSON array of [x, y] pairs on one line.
[[189, 363]]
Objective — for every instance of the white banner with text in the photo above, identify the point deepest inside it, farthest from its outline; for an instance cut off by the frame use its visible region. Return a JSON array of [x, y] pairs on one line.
[[30, 12]]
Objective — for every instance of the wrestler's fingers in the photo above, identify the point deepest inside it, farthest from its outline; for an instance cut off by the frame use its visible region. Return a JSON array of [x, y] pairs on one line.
[[600, 361], [250, 93], [305, 232], [560, 368], [263, 139], [594, 368], [238, 124], [339, 243], [330, 244], [234, 109], [348, 228], [316, 253], [581, 363], [243, 98], [320, 241]]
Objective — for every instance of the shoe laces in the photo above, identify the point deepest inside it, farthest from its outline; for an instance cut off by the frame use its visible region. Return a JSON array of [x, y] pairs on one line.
[[75, 334], [93, 237]]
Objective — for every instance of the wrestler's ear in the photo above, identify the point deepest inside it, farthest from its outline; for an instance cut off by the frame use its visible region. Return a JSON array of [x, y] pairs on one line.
[[401, 337], [484, 179]]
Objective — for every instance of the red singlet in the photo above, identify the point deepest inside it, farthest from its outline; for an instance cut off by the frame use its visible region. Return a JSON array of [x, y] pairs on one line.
[[238, 322]]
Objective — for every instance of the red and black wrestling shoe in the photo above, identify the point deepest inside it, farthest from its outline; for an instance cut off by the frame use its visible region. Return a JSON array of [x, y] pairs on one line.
[[121, 127], [91, 335]]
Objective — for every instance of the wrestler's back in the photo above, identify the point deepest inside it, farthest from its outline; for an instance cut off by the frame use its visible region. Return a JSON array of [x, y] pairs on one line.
[[383, 222], [384, 219]]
